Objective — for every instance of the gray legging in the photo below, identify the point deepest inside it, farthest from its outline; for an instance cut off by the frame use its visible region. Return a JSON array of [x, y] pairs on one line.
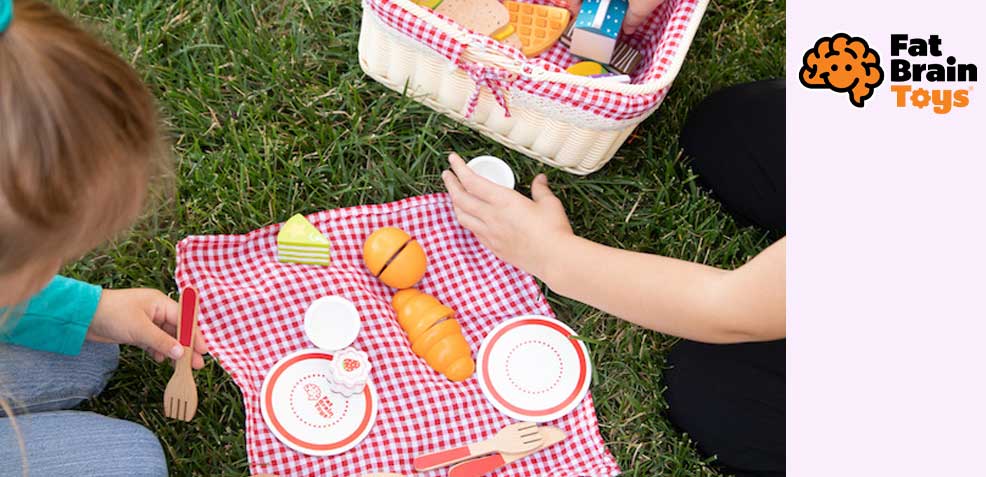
[[40, 386]]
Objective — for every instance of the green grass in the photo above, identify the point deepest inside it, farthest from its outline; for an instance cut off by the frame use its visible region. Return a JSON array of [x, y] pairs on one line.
[[271, 115]]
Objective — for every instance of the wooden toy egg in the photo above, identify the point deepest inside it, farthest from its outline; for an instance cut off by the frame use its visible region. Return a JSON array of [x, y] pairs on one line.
[[394, 257]]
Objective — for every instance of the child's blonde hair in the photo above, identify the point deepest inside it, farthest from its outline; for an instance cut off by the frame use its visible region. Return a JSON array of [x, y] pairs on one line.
[[79, 142], [79, 139]]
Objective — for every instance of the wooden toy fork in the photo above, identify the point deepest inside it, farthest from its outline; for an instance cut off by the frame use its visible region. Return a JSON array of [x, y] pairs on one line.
[[514, 439], [181, 399]]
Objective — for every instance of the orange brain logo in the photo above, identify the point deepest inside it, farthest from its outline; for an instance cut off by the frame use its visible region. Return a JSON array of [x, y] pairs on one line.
[[843, 64]]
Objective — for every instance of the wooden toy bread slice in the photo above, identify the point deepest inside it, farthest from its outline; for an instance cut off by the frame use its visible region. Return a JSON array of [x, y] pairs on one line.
[[538, 26], [481, 16]]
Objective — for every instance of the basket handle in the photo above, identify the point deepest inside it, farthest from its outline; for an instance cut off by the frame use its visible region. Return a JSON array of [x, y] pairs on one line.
[[474, 50]]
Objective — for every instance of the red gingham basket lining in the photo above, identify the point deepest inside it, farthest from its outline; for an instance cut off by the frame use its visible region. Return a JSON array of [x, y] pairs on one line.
[[251, 314], [668, 24]]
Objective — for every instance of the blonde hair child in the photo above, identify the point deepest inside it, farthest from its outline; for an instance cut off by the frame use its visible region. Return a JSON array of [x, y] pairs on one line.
[[79, 140]]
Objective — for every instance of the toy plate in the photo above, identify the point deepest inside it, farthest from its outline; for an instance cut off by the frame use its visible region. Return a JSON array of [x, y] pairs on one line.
[[305, 415], [530, 368]]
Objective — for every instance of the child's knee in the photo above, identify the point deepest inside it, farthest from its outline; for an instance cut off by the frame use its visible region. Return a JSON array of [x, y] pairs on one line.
[[147, 452], [102, 360], [129, 449]]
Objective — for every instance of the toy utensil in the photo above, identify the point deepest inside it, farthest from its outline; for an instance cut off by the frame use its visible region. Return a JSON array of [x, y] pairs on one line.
[[484, 465], [516, 438], [181, 399]]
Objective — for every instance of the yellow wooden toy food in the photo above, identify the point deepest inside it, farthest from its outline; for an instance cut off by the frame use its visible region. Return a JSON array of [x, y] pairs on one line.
[[394, 257], [538, 26], [434, 334], [586, 68]]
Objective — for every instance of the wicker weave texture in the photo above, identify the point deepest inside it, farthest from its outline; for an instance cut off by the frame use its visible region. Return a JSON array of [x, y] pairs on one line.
[[398, 63]]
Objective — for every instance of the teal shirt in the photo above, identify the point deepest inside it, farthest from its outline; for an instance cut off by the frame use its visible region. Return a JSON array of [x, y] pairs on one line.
[[56, 319]]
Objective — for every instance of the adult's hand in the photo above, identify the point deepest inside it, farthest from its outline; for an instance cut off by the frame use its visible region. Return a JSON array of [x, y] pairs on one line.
[[637, 12], [517, 229]]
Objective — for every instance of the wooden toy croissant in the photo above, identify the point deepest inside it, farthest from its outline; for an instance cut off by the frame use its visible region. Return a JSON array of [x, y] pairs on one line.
[[434, 333]]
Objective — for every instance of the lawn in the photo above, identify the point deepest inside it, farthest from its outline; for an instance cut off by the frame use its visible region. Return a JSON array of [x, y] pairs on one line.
[[271, 115]]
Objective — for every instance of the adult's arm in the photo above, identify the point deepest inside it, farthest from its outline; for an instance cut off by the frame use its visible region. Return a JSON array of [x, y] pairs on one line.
[[672, 296]]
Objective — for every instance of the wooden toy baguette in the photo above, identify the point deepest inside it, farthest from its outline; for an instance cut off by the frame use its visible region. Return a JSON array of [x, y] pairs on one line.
[[434, 334]]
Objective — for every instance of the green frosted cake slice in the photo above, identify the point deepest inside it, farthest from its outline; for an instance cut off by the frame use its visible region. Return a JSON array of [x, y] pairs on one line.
[[299, 231], [304, 259], [300, 242]]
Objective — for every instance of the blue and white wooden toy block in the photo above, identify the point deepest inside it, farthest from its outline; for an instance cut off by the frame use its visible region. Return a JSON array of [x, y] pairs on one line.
[[597, 28]]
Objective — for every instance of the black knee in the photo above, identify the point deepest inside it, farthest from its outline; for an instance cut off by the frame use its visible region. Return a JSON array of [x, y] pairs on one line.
[[730, 400], [735, 140]]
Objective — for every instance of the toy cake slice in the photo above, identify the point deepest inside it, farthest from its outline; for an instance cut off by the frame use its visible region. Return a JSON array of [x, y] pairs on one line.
[[538, 26], [300, 242]]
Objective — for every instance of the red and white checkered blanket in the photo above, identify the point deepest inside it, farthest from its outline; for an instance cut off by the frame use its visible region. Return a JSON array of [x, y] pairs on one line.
[[252, 311]]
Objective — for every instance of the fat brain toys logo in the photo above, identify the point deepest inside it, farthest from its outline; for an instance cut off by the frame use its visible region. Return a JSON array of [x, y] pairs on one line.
[[847, 64], [843, 64], [942, 100]]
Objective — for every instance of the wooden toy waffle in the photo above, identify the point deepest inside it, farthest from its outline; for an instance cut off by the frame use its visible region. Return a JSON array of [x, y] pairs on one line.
[[538, 26]]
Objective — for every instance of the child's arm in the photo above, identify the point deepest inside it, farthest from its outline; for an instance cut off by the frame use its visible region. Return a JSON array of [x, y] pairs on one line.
[[67, 312], [54, 320], [144, 318], [680, 298]]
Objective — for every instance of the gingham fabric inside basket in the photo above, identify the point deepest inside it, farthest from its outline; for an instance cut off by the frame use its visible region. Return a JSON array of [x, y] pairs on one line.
[[662, 39], [251, 316]]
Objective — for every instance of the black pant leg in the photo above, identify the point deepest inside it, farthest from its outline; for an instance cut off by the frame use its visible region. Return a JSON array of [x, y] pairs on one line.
[[736, 141], [730, 399]]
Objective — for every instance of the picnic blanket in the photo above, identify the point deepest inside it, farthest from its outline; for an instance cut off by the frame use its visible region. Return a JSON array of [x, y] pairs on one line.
[[251, 315]]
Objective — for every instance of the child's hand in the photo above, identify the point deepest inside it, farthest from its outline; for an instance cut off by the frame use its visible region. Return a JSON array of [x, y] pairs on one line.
[[517, 229], [145, 318], [637, 12]]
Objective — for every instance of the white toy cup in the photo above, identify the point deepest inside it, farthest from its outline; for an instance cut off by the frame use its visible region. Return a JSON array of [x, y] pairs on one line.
[[494, 169]]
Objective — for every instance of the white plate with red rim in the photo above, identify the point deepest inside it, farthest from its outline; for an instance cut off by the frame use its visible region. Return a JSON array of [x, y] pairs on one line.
[[305, 415], [532, 369]]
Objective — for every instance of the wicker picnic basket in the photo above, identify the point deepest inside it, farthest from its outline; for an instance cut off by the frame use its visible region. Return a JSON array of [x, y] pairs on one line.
[[532, 105]]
